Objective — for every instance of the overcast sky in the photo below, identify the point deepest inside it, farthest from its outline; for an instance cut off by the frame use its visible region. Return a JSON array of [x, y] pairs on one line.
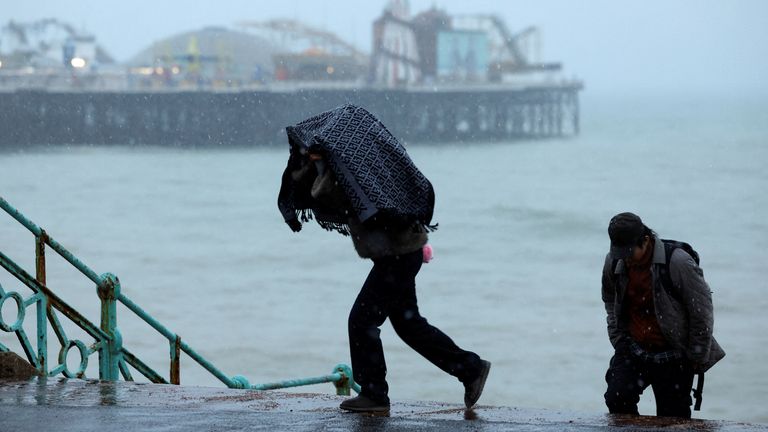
[[614, 46]]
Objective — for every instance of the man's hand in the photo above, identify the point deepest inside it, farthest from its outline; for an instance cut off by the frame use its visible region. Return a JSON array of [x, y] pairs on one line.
[[294, 224]]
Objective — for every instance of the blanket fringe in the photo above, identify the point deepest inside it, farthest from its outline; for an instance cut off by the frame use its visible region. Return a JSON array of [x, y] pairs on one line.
[[342, 229], [306, 215]]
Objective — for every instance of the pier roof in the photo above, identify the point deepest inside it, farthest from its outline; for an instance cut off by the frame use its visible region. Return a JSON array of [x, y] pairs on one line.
[[216, 45]]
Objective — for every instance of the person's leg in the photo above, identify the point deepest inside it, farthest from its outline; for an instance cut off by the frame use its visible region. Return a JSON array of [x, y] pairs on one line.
[[415, 331], [626, 379], [368, 313], [672, 389]]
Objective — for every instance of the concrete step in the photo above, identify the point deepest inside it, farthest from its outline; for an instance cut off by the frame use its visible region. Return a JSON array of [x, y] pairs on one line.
[[65, 405]]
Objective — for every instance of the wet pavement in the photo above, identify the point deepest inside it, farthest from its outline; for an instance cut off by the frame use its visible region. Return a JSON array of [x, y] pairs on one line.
[[77, 405]]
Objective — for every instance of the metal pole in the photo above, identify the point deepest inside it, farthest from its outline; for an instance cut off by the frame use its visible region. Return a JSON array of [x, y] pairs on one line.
[[175, 355], [42, 305], [109, 353], [344, 384]]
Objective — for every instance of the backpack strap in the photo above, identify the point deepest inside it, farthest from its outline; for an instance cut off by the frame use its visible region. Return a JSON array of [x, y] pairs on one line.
[[698, 391], [663, 269]]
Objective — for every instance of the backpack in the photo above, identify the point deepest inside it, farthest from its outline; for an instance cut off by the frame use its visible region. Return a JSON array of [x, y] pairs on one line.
[[669, 249], [666, 282]]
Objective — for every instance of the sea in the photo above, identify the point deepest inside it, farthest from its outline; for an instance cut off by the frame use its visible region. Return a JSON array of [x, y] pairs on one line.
[[196, 240]]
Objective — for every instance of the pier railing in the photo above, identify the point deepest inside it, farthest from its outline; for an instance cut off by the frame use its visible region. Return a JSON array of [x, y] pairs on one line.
[[114, 358]]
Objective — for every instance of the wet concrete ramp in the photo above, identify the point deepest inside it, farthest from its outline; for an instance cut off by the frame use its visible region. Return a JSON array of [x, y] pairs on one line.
[[78, 405]]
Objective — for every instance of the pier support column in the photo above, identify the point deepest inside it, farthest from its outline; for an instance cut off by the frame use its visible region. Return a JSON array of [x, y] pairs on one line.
[[575, 99]]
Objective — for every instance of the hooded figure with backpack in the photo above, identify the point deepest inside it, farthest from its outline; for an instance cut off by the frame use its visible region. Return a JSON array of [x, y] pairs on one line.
[[660, 320], [351, 175]]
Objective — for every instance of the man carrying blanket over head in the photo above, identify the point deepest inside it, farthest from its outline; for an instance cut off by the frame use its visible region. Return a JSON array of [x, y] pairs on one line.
[[350, 174]]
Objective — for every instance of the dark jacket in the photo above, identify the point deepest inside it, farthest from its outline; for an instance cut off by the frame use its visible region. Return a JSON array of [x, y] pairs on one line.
[[685, 315], [373, 240], [377, 237]]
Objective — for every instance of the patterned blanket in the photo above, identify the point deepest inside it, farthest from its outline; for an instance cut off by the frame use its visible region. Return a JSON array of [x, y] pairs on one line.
[[369, 163]]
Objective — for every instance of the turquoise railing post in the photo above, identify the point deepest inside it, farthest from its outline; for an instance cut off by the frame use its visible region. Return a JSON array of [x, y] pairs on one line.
[[344, 384], [109, 352], [175, 360], [42, 335], [42, 305]]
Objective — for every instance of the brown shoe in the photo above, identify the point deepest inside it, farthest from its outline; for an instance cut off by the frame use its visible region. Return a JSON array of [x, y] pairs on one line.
[[474, 389], [363, 404]]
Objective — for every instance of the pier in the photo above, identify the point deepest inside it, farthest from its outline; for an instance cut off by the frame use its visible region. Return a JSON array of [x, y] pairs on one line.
[[246, 118], [431, 77]]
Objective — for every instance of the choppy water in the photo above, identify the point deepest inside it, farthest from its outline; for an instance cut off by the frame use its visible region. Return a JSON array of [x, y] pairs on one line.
[[196, 239]]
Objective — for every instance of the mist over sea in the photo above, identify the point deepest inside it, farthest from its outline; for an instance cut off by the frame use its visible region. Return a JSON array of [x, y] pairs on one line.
[[196, 240]]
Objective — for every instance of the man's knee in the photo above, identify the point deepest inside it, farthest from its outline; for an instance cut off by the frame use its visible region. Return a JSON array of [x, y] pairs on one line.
[[366, 314], [619, 402], [406, 322], [363, 326], [623, 391], [675, 403]]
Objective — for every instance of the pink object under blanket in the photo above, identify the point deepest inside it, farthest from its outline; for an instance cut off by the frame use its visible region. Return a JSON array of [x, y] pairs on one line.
[[427, 252]]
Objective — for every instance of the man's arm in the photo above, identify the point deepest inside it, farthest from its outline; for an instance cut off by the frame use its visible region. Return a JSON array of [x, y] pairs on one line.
[[688, 279], [609, 299]]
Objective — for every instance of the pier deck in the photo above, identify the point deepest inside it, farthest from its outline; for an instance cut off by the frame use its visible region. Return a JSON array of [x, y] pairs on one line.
[[77, 405], [247, 118]]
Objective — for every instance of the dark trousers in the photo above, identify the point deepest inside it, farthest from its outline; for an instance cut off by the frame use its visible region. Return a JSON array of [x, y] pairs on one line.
[[390, 292], [628, 375]]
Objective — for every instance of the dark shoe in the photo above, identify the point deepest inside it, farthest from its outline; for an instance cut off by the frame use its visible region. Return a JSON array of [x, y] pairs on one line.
[[474, 389], [363, 404]]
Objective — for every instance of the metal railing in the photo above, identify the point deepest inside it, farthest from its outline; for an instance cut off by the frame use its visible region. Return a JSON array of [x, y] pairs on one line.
[[114, 358]]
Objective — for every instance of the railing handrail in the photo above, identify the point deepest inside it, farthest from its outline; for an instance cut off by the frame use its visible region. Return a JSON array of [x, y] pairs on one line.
[[61, 250], [109, 342], [54, 300]]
